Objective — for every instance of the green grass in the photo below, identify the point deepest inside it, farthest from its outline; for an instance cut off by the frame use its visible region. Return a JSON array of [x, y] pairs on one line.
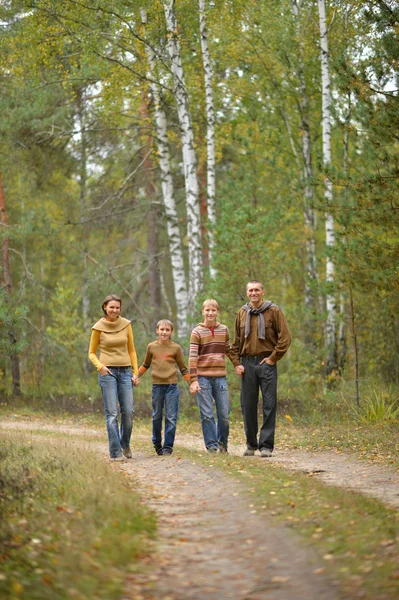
[[356, 538], [71, 526]]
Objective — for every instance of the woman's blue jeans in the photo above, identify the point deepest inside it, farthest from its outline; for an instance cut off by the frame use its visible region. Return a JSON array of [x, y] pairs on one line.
[[118, 389], [214, 388], [164, 396]]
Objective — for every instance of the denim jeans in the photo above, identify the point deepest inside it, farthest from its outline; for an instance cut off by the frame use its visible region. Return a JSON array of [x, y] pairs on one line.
[[263, 377], [164, 395], [118, 388], [214, 388]]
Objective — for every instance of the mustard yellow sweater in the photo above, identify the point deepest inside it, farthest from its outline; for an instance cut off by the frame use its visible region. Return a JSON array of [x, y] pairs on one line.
[[116, 342]]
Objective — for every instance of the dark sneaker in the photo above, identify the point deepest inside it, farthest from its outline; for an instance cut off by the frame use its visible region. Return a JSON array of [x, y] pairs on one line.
[[212, 450], [266, 452], [249, 452], [166, 451], [127, 452], [158, 450]]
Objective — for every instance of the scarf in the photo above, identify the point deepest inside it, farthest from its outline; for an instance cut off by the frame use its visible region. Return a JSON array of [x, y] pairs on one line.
[[250, 310]]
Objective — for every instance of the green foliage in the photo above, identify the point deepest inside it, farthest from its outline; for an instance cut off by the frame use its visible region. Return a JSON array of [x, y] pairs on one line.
[[380, 407], [70, 527], [10, 317], [71, 148]]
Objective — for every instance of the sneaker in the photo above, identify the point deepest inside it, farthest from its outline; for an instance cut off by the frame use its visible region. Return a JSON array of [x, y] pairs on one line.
[[166, 451], [266, 452], [223, 450], [158, 450], [127, 452], [249, 452], [212, 450], [120, 458]]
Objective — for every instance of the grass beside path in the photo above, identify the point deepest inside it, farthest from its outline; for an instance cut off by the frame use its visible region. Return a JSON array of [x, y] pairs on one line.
[[357, 538], [71, 526]]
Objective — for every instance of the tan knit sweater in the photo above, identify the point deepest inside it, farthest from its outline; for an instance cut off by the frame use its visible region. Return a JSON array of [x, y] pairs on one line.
[[163, 359], [116, 342]]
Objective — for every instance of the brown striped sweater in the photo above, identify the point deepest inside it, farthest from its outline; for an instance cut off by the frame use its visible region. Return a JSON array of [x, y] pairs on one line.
[[208, 347]]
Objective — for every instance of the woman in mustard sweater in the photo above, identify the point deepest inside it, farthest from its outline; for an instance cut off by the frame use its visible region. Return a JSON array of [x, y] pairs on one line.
[[117, 370]]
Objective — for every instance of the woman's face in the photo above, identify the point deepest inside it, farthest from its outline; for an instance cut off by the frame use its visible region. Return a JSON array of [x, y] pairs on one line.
[[112, 309]]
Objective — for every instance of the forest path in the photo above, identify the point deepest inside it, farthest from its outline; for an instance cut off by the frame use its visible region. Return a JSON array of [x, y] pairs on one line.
[[211, 542]]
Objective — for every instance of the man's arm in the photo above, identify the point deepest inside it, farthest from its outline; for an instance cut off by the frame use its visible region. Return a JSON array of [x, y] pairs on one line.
[[283, 338]]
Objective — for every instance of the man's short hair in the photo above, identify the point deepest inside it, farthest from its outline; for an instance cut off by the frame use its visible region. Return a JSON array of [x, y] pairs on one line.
[[255, 281], [165, 322], [210, 301]]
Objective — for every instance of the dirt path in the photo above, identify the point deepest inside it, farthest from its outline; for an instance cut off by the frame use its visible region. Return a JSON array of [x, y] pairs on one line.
[[212, 543], [333, 468]]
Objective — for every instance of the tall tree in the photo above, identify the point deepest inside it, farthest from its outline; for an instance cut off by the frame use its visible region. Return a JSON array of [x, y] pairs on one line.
[[210, 135], [331, 333], [172, 221], [189, 155]]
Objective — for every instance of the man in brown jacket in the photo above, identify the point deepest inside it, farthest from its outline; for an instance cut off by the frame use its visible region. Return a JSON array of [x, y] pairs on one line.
[[261, 339]]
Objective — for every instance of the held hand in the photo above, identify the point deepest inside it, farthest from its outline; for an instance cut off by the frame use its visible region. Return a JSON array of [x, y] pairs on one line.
[[268, 361], [195, 387], [136, 380], [239, 369], [105, 371]]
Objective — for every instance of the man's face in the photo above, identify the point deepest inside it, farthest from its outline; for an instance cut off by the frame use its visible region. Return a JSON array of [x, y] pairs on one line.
[[255, 293]]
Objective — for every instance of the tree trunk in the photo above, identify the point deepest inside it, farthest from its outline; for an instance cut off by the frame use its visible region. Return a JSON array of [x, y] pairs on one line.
[[15, 368], [154, 284], [331, 335], [210, 137], [189, 157], [80, 103], [311, 278], [172, 222]]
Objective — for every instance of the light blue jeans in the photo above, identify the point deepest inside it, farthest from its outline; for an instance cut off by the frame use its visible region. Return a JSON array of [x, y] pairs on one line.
[[118, 389], [164, 396], [214, 388]]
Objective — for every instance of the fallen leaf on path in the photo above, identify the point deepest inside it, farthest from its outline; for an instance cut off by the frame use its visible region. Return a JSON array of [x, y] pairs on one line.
[[279, 579]]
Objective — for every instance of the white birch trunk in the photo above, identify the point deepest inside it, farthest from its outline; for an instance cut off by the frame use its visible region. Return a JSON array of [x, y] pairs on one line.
[[311, 281], [210, 136], [189, 156], [331, 336], [172, 222]]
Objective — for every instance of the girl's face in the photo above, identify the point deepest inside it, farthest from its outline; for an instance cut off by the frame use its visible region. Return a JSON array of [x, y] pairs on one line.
[[112, 309]]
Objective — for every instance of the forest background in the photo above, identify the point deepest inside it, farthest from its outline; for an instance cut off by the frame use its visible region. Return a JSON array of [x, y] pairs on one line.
[[171, 151]]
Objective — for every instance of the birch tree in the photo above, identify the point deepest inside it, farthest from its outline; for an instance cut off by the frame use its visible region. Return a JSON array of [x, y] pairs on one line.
[[210, 134], [172, 222], [189, 155], [331, 337], [307, 169]]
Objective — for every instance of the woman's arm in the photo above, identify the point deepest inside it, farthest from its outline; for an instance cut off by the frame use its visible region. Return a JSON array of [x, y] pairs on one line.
[[94, 342]]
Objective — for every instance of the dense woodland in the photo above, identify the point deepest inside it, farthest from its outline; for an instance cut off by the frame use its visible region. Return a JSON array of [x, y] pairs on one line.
[[169, 151]]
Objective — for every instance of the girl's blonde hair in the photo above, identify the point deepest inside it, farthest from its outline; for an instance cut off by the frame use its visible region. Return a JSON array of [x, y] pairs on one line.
[[210, 301]]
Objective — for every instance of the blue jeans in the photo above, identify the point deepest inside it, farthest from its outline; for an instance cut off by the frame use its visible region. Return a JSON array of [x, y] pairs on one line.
[[164, 395], [214, 388], [118, 388]]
